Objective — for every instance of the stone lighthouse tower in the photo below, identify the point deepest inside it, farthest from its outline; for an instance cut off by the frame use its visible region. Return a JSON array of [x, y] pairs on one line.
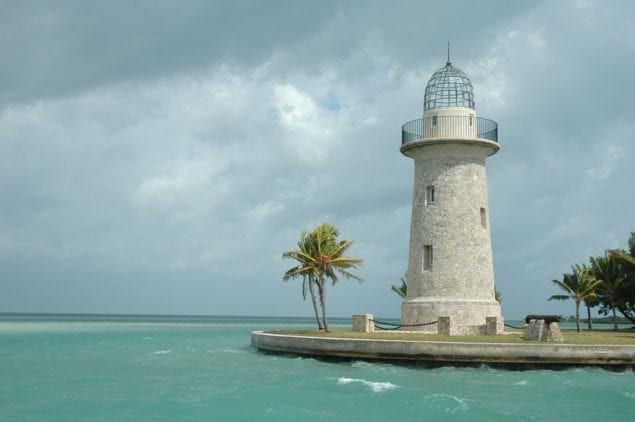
[[450, 270]]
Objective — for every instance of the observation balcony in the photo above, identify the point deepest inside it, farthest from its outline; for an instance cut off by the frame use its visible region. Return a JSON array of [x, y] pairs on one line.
[[449, 127]]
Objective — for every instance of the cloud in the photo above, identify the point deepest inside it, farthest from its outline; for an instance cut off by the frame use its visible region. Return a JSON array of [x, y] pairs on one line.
[[307, 128], [160, 159], [609, 156]]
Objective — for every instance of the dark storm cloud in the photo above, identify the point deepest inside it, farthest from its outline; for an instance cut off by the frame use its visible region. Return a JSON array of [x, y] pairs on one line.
[[64, 47], [57, 48]]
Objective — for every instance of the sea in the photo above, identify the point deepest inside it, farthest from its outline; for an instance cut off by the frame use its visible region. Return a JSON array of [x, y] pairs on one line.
[[186, 368]]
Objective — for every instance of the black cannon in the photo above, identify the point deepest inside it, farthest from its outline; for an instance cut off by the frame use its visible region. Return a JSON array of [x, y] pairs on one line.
[[547, 318]]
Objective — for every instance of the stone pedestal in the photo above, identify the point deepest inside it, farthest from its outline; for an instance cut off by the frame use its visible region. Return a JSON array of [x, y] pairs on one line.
[[539, 330], [363, 323]]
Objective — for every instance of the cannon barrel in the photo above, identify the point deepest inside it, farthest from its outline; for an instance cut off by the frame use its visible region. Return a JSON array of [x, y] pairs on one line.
[[547, 318]]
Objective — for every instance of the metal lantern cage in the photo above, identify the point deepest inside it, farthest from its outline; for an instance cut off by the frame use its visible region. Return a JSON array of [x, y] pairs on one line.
[[448, 87]]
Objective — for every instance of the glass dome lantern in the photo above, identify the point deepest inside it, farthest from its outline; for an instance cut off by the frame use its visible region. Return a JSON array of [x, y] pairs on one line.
[[448, 87]]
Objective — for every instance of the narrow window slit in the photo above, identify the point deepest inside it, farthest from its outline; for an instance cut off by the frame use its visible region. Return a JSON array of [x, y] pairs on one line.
[[427, 257], [429, 195]]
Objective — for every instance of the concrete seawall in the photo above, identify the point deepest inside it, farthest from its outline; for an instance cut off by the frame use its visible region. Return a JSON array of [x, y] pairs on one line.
[[529, 355]]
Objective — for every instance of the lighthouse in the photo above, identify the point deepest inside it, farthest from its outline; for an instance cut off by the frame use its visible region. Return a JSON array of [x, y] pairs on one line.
[[450, 268]]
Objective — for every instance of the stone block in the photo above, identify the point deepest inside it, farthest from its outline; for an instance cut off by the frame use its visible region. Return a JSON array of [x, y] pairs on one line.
[[444, 325], [491, 326], [363, 323], [534, 329]]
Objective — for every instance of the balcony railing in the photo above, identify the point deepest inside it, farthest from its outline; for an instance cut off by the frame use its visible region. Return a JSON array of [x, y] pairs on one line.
[[451, 127]]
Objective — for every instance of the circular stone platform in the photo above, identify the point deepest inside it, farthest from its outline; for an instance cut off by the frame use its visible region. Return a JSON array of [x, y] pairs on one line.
[[510, 355]]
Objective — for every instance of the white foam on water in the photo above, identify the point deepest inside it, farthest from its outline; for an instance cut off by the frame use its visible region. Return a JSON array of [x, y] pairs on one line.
[[237, 351], [361, 364], [630, 395], [461, 404], [522, 382], [162, 352], [376, 387]]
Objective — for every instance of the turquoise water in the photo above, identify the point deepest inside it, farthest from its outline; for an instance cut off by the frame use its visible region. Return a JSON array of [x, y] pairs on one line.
[[82, 368]]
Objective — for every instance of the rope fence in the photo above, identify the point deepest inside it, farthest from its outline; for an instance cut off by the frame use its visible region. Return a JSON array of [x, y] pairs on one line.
[[391, 326], [387, 326]]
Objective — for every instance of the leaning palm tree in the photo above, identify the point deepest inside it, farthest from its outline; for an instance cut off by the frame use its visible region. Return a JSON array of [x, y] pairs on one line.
[[305, 269], [320, 257], [401, 290], [608, 271], [579, 285], [329, 260]]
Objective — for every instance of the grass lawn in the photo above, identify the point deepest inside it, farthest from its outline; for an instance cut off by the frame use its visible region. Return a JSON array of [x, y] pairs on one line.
[[622, 337]]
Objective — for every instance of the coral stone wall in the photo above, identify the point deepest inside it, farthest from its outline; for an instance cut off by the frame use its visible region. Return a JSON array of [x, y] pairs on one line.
[[450, 269]]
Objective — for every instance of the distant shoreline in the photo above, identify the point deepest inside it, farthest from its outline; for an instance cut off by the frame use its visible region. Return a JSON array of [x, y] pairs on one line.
[[605, 321]]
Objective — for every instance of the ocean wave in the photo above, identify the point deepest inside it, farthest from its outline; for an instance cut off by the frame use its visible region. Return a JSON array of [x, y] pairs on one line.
[[162, 352], [522, 382], [376, 387]]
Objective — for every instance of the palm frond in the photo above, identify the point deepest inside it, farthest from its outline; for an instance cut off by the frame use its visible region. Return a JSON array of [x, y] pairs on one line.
[[349, 275], [559, 297], [401, 290]]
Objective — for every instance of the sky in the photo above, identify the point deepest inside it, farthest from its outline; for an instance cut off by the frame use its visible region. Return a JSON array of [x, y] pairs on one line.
[[157, 157]]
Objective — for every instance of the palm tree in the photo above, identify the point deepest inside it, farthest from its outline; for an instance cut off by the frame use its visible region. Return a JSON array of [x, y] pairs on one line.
[[607, 270], [579, 285], [304, 269], [588, 304], [627, 260], [626, 304], [329, 258], [403, 289], [321, 256]]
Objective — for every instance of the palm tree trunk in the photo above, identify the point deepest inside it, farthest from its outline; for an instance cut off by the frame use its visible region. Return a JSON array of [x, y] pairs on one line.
[[322, 288], [588, 315], [614, 316], [315, 305], [577, 316]]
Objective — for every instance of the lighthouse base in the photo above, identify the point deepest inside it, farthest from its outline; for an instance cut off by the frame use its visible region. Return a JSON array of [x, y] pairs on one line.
[[452, 317]]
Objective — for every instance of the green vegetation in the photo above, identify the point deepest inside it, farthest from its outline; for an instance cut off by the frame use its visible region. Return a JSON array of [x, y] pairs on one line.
[[579, 285], [320, 257], [401, 290], [610, 275], [609, 282], [606, 320], [513, 336]]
